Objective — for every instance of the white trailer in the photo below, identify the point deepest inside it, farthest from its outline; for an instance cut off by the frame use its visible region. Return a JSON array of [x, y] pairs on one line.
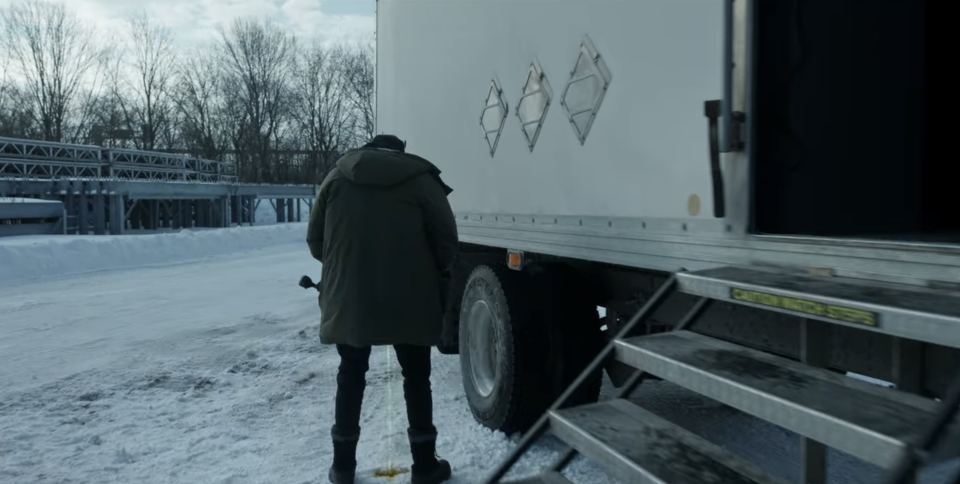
[[764, 167]]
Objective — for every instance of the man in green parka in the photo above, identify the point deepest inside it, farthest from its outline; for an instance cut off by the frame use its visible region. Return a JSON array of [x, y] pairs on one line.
[[384, 231]]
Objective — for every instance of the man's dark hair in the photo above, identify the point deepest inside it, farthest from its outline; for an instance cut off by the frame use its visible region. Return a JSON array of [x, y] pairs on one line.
[[388, 142]]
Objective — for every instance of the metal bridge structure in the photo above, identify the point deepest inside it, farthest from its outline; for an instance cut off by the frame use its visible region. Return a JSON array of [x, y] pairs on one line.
[[109, 191]]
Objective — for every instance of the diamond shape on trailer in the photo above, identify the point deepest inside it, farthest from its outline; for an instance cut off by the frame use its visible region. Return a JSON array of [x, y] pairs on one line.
[[494, 115], [534, 103], [584, 92]]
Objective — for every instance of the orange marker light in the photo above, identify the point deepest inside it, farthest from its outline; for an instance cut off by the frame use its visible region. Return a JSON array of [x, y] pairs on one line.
[[515, 260]]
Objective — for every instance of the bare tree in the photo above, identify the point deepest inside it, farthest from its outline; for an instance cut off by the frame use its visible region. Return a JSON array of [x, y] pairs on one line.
[[152, 62], [199, 99], [16, 115], [359, 68], [322, 108], [258, 59], [253, 98], [108, 122], [99, 117], [112, 114], [57, 57]]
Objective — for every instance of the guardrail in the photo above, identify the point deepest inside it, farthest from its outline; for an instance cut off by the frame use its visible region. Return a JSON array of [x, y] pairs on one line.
[[22, 158]]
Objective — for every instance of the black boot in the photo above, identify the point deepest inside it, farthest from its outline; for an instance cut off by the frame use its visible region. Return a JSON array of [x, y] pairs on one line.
[[344, 467], [341, 477], [427, 468]]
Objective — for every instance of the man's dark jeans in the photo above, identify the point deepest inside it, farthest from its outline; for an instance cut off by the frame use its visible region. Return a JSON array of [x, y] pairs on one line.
[[351, 381]]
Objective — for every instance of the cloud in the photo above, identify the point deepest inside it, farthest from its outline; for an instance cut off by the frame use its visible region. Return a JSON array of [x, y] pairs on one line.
[[195, 21], [309, 21]]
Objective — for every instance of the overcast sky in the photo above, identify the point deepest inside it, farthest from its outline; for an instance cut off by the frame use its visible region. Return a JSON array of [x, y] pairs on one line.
[[196, 20]]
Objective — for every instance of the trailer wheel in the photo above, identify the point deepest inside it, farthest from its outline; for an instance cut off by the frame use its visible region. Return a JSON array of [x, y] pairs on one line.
[[499, 351]]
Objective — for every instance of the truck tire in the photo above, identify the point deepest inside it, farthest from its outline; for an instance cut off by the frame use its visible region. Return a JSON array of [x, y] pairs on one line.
[[571, 335], [500, 354]]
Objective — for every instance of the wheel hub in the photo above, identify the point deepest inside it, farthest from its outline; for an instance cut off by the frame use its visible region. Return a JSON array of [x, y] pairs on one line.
[[482, 346]]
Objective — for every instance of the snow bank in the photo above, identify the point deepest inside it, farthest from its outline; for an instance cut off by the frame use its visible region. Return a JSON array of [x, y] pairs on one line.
[[25, 200], [33, 257]]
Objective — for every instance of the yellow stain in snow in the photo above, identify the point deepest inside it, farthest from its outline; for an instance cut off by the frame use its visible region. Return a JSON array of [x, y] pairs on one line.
[[390, 472]]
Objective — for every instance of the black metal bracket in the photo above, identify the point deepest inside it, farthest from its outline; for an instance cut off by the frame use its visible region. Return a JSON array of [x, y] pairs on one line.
[[711, 109]]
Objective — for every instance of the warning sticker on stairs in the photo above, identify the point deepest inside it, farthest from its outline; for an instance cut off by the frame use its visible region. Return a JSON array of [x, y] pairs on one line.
[[813, 308]]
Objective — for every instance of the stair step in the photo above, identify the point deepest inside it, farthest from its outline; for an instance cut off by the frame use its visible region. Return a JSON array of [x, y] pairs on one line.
[[865, 420], [905, 311], [545, 478], [636, 446]]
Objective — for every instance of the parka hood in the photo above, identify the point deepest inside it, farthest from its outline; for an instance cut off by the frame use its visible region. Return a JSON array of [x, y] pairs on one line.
[[385, 168]]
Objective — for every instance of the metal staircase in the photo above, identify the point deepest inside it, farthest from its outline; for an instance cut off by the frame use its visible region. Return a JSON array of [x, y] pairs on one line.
[[896, 430]]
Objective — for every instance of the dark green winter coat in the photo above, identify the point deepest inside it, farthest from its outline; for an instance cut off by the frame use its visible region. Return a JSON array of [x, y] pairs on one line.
[[384, 231]]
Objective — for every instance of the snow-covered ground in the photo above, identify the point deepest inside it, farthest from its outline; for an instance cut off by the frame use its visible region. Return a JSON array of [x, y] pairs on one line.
[[197, 371], [42, 256], [195, 359]]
